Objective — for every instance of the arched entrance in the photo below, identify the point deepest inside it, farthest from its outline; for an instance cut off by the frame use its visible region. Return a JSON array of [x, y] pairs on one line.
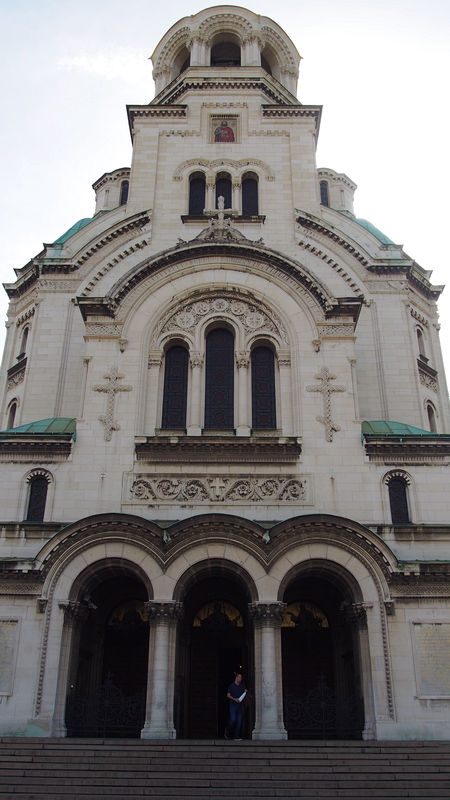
[[109, 656], [322, 692], [214, 640]]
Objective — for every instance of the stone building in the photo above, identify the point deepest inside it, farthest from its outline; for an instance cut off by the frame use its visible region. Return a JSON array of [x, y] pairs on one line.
[[223, 438]]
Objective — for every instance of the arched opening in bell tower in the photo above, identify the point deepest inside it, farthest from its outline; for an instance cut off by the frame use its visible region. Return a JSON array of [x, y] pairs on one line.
[[322, 689]]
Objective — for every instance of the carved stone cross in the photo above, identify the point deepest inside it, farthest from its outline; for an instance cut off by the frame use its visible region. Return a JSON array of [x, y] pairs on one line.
[[221, 211], [326, 389], [111, 390]]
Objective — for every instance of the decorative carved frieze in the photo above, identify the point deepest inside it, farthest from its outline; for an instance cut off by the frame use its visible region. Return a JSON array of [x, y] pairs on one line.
[[16, 374], [326, 388], [339, 331], [251, 314], [427, 375], [234, 489], [25, 316], [97, 330]]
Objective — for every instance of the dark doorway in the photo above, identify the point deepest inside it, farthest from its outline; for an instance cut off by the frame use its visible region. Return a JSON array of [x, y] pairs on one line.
[[107, 688], [322, 693], [213, 644]]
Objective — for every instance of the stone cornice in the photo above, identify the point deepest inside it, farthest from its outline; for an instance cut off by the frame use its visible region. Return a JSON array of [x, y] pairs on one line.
[[164, 112], [212, 83], [431, 449], [218, 449], [29, 448], [111, 177]]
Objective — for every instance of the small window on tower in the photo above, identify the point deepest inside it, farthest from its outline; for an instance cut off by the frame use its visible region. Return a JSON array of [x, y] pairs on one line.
[[124, 186], [398, 500], [223, 189], [197, 186], [37, 498], [249, 195], [12, 410], [226, 54], [324, 198]]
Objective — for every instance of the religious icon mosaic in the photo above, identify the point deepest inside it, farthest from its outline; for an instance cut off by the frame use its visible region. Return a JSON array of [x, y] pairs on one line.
[[223, 129]]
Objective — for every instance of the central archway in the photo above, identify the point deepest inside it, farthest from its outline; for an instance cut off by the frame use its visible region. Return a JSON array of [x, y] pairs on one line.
[[214, 640]]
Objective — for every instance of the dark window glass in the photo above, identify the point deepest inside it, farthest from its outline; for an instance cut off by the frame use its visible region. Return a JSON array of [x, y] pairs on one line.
[[226, 54], [431, 418], [185, 64], [11, 416], [249, 197], [324, 193], [398, 500], [175, 388], [197, 195], [265, 65], [38, 496], [223, 189], [124, 186], [263, 388], [219, 389]]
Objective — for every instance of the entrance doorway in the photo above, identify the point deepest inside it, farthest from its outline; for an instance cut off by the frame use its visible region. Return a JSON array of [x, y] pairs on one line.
[[108, 675], [322, 693], [214, 642]]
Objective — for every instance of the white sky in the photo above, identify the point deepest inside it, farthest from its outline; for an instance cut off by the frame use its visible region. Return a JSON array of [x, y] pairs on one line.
[[380, 70]]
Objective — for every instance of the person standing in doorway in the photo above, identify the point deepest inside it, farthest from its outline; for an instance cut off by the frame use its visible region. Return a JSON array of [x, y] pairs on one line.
[[236, 694]]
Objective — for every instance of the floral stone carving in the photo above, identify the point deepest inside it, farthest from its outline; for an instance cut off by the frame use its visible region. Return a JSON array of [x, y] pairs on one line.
[[266, 489]]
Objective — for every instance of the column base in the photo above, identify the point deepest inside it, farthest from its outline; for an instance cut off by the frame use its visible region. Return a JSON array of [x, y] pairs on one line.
[[270, 734], [243, 430], [158, 733]]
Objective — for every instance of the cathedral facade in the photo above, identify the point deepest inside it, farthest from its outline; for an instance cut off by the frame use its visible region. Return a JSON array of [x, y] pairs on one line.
[[224, 435]]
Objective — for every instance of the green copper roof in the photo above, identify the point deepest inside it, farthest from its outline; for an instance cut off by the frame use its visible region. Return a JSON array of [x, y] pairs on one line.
[[73, 230], [384, 427], [373, 230], [54, 426]]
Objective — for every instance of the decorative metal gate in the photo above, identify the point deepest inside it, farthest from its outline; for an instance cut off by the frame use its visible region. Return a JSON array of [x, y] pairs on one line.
[[108, 711]]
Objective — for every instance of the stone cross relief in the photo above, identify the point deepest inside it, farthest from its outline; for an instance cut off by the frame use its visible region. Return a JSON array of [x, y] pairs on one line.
[[326, 389], [111, 388]]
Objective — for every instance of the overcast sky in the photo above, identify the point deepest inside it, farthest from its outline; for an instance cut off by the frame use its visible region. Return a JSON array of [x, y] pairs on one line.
[[381, 71]]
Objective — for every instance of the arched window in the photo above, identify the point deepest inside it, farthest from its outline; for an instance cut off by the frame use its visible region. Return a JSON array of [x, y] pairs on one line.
[[12, 410], [421, 343], [263, 388], [124, 186], [37, 498], [265, 64], [324, 198], [398, 500], [431, 418], [175, 388], [23, 341], [219, 383], [197, 193], [223, 189], [225, 54], [249, 195]]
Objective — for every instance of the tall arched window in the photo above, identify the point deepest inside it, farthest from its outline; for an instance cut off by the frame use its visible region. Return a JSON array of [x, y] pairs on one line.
[[124, 186], [219, 383], [249, 195], [226, 54], [324, 198], [263, 388], [197, 193], [23, 341], [431, 418], [223, 189], [398, 500], [175, 388], [37, 498], [12, 410], [421, 343]]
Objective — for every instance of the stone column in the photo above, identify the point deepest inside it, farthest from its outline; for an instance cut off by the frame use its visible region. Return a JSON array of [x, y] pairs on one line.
[[74, 615], [163, 617], [284, 420], [210, 195], [267, 619], [195, 410], [236, 197], [154, 366], [243, 423]]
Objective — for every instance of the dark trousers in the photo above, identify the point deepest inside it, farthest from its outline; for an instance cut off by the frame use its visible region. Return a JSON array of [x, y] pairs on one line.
[[235, 720]]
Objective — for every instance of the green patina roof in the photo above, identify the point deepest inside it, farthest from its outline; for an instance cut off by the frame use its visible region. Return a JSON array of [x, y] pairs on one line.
[[373, 230], [384, 427], [54, 426], [73, 230]]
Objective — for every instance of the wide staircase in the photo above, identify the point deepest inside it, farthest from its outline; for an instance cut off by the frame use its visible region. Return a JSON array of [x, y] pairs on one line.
[[83, 769]]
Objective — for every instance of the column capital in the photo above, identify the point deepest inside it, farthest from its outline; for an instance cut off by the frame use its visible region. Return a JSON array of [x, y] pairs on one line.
[[196, 359], [243, 359], [74, 612], [267, 613], [163, 610]]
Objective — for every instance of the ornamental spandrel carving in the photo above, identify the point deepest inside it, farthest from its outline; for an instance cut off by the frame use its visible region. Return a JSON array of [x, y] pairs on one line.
[[267, 613], [163, 611], [429, 381], [16, 378], [268, 489], [251, 315]]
